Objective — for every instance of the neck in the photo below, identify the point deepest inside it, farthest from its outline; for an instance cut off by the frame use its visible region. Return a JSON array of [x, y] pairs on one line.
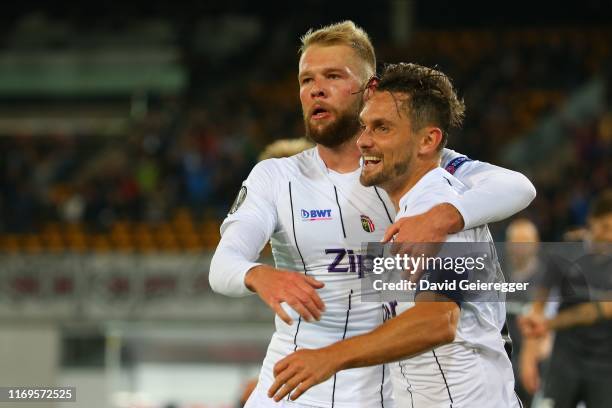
[[343, 158], [398, 187]]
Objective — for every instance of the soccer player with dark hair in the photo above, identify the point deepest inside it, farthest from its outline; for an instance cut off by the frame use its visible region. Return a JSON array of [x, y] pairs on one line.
[[315, 212], [443, 349]]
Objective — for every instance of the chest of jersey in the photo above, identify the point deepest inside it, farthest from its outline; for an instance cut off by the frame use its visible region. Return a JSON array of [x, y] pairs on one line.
[[328, 223]]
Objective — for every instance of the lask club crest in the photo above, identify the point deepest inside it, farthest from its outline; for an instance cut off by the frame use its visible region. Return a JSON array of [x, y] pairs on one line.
[[367, 224]]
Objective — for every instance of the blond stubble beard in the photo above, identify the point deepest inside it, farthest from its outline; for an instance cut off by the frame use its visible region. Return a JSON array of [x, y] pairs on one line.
[[342, 129]]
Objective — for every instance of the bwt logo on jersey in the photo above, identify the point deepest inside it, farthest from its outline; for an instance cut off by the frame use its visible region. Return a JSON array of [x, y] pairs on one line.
[[316, 215]]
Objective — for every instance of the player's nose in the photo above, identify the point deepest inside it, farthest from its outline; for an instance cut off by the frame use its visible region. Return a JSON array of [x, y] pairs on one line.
[[317, 90], [364, 141]]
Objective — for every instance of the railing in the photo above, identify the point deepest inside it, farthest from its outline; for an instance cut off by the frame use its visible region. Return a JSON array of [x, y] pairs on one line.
[[102, 287]]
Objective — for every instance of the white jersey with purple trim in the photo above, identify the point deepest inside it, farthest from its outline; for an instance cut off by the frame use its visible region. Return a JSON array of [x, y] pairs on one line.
[[474, 370], [317, 220]]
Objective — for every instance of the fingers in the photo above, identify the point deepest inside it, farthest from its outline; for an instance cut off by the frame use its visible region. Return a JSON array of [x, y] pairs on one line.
[[302, 388], [311, 293], [305, 300], [287, 388], [280, 381], [318, 302], [532, 327], [415, 276], [313, 282], [278, 309], [390, 232], [301, 309], [311, 301], [280, 366], [539, 329], [298, 383], [305, 307], [298, 291]]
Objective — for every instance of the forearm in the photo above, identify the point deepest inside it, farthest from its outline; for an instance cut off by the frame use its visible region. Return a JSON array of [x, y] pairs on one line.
[[495, 193], [234, 257], [447, 218], [227, 275], [580, 315], [530, 350], [419, 329]]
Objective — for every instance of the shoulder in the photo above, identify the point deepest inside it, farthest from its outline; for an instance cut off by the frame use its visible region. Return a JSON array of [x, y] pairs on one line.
[[451, 160], [436, 187], [282, 167]]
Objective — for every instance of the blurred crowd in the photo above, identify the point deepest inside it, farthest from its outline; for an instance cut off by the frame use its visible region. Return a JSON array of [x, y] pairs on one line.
[[191, 152]]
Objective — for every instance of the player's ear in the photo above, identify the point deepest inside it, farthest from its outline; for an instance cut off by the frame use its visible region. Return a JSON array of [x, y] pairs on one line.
[[431, 137]]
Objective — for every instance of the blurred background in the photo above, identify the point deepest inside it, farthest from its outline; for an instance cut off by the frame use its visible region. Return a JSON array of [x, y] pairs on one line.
[[127, 129]]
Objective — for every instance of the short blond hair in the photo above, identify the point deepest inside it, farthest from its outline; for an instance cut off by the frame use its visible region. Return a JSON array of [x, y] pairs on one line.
[[285, 148], [343, 33]]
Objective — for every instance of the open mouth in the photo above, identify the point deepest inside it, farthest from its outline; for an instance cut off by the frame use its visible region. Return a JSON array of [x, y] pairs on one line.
[[371, 160], [319, 113]]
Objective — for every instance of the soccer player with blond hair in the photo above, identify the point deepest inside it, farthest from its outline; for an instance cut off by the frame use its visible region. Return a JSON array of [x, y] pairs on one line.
[[316, 213]]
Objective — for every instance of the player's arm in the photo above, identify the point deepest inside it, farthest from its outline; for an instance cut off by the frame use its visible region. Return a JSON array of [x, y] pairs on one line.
[[495, 194], [239, 248], [234, 270], [430, 323], [584, 314], [530, 355]]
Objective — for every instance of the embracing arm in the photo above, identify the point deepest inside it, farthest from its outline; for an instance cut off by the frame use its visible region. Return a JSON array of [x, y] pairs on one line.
[[495, 193], [426, 325], [421, 328]]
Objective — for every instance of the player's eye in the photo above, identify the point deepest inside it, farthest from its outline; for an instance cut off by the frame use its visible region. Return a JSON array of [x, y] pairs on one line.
[[306, 80], [382, 129], [333, 76]]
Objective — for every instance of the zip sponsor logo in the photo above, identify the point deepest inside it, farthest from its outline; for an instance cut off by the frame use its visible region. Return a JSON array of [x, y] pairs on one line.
[[357, 263], [316, 215]]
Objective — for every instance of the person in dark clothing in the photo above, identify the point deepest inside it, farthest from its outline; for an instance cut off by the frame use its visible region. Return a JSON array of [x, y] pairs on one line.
[[580, 366]]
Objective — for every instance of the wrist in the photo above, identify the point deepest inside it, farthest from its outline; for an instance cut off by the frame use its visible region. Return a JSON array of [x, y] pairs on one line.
[[449, 218], [338, 356], [251, 277], [527, 356]]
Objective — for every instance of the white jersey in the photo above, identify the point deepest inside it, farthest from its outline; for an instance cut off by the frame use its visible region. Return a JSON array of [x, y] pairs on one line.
[[317, 220], [321, 218], [473, 370]]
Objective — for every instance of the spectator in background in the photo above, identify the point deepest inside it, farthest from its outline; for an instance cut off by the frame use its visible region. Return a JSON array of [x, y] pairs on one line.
[[522, 265], [580, 367]]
